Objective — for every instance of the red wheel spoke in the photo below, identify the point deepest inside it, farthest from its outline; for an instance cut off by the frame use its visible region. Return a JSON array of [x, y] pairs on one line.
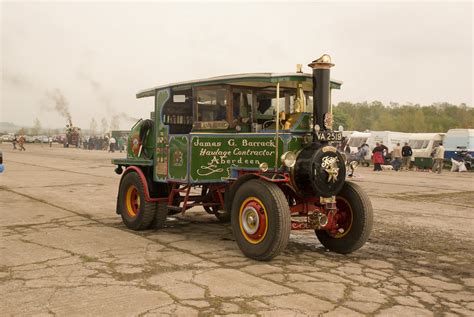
[[253, 219], [132, 201], [343, 218]]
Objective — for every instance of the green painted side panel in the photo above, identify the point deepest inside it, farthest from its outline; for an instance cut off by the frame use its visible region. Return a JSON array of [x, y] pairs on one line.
[[161, 131], [178, 158], [132, 142], [295, 143], [304, 124], [150, 142], [214, 156]]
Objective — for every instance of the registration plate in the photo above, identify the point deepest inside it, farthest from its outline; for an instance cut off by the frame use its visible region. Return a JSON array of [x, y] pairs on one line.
[[331, 136]]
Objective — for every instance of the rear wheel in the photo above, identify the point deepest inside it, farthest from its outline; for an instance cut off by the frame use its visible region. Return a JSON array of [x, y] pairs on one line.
[[161, 209], [137, 214], [161, 213], [354, 217], [260, 219]]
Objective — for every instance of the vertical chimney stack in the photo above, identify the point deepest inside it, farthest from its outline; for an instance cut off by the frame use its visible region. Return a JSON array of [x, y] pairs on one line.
[[321, 93]]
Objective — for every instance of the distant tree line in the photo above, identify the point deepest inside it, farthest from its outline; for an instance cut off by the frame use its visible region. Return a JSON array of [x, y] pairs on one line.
[[439, 117]]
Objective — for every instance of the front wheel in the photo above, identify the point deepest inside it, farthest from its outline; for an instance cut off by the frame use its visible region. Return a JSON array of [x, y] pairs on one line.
[[260, 220], [354, 218], [137, 214]]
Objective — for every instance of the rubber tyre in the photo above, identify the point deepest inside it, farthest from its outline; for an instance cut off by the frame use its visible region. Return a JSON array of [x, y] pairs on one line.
[[277, 212], [362, 221], [223, 217], [145, 212], [161, 213]]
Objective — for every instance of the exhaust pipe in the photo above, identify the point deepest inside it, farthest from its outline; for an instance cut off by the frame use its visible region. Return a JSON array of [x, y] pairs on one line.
[[322, 117]]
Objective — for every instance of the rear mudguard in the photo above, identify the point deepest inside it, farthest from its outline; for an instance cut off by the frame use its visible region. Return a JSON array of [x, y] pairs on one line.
[[148, 198]]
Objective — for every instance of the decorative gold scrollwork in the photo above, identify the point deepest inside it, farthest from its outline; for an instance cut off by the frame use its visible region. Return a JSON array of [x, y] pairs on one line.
[[328, 120], [329, 163]]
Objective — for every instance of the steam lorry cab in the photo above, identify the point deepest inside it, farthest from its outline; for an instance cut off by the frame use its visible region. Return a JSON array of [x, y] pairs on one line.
[[253, 149]]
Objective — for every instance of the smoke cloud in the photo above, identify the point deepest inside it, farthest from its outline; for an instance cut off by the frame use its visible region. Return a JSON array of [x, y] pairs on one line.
[[104, 99], [16, 80], [104, 124], [114, 123], [61, 105], [97, 88], [116, 118], [93, 127]]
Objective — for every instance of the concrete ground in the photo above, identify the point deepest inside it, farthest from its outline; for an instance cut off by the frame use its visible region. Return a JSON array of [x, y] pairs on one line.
[[64, 251]]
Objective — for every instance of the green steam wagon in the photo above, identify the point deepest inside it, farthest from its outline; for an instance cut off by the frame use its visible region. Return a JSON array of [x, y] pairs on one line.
[[253, 149]]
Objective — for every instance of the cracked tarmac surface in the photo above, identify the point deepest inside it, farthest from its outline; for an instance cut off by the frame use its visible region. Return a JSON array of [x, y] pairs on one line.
[[64, 251]]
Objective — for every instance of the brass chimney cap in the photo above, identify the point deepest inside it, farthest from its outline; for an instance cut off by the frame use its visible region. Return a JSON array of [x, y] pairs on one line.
[[299, 68], [324, 62]]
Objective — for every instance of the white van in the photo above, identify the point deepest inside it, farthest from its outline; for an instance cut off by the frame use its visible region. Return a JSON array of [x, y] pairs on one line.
[[423, 144], [457, 140], [389, 139]]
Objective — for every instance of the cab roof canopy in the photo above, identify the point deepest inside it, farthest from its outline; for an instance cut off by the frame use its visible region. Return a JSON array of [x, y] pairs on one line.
[[260, 80]]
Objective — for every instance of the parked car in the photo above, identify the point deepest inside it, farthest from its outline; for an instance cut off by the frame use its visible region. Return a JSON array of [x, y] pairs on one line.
[[7, 137], [42, 139], [60, 138]]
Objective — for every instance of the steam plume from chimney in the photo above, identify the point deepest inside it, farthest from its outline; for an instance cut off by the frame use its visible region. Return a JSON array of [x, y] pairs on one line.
[[61, 105], [115, 121]]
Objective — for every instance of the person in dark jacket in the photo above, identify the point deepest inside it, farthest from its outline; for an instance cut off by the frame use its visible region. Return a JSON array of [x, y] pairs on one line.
[[2, 168], [384, 151], [377, 157], [406, 156], [14, 142]]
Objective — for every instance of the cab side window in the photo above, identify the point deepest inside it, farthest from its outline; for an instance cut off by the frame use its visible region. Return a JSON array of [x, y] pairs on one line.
[[178, 112], [241, 106], [212, 104]]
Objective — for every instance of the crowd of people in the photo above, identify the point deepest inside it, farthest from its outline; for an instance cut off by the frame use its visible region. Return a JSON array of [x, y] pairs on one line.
[[20, 141], [104, 143], [87, 143], [400, 158]]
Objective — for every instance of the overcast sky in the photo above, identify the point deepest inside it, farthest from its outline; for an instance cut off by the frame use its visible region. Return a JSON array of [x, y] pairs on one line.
[[100, 54]]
